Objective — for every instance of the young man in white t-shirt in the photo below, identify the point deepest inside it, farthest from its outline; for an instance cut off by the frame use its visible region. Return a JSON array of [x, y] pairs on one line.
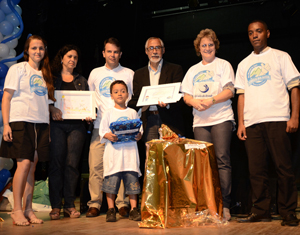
[[99, 81], [262, 80]]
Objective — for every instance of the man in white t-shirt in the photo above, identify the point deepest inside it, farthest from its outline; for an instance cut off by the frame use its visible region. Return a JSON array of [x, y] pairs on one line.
[[262, 80], [99, 81]]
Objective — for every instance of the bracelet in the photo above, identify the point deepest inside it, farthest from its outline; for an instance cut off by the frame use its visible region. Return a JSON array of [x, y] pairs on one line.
[[213, 100], [5, 124]]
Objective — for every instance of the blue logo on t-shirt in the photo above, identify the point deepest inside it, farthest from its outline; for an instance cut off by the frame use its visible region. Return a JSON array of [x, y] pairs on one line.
[[104, 86], [258, 74], [203, 76], [36, 84], [124, 118]]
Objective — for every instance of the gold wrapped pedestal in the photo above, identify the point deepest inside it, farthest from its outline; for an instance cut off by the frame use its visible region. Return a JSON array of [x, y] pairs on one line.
[[181, 177]]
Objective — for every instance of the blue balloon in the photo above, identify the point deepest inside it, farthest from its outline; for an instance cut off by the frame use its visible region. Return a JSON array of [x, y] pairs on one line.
[[2, 15], [21, 24], [13, 19], [6, 28], [3, 71], [18, 9], [5, 7], [4, 175], [16, 1]]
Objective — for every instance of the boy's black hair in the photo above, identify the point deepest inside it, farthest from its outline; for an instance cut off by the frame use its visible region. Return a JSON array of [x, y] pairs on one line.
[[118, 82]]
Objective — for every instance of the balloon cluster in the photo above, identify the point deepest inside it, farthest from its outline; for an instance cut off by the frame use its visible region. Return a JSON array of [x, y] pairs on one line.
[[4, 175], [10, 32]]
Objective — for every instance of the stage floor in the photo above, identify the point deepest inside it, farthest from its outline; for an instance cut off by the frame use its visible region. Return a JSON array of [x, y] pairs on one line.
[[125, 226]]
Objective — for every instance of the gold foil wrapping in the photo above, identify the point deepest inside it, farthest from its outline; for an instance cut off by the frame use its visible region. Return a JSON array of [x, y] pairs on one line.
[[179, 181]]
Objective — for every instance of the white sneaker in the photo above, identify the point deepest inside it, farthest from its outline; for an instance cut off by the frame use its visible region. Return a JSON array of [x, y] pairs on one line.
[[226, 214]]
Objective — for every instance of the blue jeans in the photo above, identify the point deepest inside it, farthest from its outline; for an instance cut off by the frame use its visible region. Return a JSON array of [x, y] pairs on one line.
[[220, 136], [111, 183], [66, 146]]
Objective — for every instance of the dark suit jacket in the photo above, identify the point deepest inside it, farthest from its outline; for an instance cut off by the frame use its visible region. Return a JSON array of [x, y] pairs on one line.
[[170, 73]]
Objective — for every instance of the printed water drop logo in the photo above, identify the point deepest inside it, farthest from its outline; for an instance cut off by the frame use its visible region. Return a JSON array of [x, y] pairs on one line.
[[104, 86], [258, 74], [37, 85], [204, 76]]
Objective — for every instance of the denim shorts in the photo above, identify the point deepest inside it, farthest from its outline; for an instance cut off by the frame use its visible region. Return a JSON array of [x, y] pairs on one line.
[[111, 183]]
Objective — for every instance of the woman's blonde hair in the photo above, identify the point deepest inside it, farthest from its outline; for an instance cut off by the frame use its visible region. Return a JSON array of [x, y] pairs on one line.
[[206, 33]]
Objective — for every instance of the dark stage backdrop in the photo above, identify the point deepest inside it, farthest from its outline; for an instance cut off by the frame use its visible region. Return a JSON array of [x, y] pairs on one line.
[[87, 23]]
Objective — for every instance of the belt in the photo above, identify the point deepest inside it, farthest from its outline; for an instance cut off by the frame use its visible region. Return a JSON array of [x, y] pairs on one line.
[[153, 112]]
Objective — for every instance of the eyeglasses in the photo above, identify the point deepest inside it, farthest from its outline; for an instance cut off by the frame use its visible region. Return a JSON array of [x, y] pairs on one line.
[[156, 48], [209, 45]]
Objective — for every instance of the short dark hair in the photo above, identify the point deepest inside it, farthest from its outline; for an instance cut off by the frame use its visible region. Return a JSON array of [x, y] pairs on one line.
[[113, 41], [118, 82], [260, 21]]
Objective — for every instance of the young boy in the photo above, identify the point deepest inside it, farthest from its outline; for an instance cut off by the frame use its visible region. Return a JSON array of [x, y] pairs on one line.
[[121, 161]]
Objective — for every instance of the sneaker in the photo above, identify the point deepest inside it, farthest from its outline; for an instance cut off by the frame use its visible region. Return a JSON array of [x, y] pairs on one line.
[[111, 215], [135, 214]]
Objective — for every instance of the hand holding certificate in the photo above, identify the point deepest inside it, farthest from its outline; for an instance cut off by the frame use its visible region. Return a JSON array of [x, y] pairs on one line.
[[167, 93], [76, 104]]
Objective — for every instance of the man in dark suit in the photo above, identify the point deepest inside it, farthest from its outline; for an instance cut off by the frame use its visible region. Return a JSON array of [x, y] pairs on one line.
[[158, 72]]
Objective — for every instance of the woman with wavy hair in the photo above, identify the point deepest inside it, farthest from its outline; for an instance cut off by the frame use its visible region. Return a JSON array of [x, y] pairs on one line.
[[28, 85], [208, 87], [67, 136]]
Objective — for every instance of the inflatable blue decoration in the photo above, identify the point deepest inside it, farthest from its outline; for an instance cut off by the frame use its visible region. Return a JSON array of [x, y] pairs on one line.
[[4, 175], [2, 15], [16, 35], [3, 70], [20, 21]]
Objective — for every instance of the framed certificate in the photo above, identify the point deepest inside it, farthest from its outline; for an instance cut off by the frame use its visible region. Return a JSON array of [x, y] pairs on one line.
[[167, 93], [76, 104]]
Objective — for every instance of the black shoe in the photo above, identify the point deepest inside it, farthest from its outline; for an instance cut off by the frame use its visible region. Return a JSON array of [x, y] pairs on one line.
[[135, 214], [111, 215], [255, 218], [290, 220]]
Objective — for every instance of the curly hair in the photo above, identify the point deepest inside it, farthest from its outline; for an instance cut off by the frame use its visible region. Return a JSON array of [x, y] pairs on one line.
[[44, 64], [56, 65], [206, 33]]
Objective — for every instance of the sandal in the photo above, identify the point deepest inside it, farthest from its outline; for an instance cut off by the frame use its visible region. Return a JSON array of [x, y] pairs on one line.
[[32, 218], [71, 212], [55, 214], [18, 223]]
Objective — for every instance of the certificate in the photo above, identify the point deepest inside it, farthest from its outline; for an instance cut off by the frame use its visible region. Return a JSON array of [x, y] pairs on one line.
[[76, 104], [167, 93]]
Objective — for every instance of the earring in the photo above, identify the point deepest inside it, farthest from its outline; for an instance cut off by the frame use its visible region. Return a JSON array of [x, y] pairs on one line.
[[61, 62]]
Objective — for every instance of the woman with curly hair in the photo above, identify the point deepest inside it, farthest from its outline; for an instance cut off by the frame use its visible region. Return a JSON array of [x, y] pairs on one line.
[[67, 136], [208, 87], [28, 85]]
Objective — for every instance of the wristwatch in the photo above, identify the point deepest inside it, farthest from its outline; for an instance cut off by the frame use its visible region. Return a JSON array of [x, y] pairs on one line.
[[213, 100]]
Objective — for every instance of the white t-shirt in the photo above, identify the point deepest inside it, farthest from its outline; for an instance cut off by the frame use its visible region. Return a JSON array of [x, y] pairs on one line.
[[205, 81], [30, 99], [123, 156], [264, 78], [100, 80]]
